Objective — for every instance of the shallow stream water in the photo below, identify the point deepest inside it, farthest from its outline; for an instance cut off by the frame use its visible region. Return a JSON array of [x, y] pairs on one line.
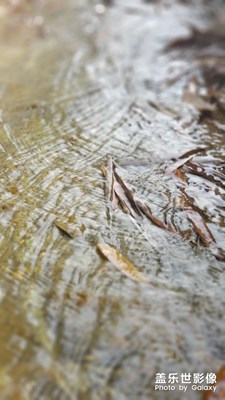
[[81, 80]]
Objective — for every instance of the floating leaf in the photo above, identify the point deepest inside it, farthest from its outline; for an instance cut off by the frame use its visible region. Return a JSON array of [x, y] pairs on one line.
[[121, 263]]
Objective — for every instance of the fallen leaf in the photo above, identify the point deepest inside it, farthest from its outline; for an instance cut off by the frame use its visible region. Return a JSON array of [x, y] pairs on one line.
[[199, 102], [193, 152], [201, 228], [163, 110], [130, 203], [121, 263], [199, 40], [148, 213], [109, 179], [117, 191], [183, 159], [67, 228], [207, 173]]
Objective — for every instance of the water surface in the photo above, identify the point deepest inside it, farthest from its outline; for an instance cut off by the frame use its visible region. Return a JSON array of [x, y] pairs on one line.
[[80, 80]]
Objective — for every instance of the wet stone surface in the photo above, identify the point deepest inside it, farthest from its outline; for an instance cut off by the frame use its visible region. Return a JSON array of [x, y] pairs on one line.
[[142, 81]]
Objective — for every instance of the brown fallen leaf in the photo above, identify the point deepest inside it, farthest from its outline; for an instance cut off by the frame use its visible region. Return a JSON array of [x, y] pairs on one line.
[[201, 228], [129, 195], [163, 110], [183, 159], [199, 40], [193, 152], [200, 103], [148, 213], [190, 203], [219, 393], [122, 198], [117, 191], [180, 175], [196, 217], [109, 179], [104, 170], [121, 263], [110, 193], [67, 228], [211, 174]]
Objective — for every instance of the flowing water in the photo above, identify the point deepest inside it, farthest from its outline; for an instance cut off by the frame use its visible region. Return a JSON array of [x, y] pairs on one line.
[[81, 80]]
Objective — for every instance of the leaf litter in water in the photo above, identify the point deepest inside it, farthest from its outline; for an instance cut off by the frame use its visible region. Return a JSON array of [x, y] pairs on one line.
[[110, 192], [117, 188], [207, 173], [183, 160], [199, 40], [117, 191], [201, 228], [196, 216], [202, 103], [128, 202], [122, 263], [148, 213], [67, 228]]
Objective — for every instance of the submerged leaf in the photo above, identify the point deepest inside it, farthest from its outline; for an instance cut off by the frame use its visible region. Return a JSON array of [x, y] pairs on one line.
[[201, 228], [199, 40], [129, 195], [177, 164], [67, 228], [193, 152], [109, 179], [117, 191], [121, 263], [199, 102], [148, 213], [183, 159], [207, 173]]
